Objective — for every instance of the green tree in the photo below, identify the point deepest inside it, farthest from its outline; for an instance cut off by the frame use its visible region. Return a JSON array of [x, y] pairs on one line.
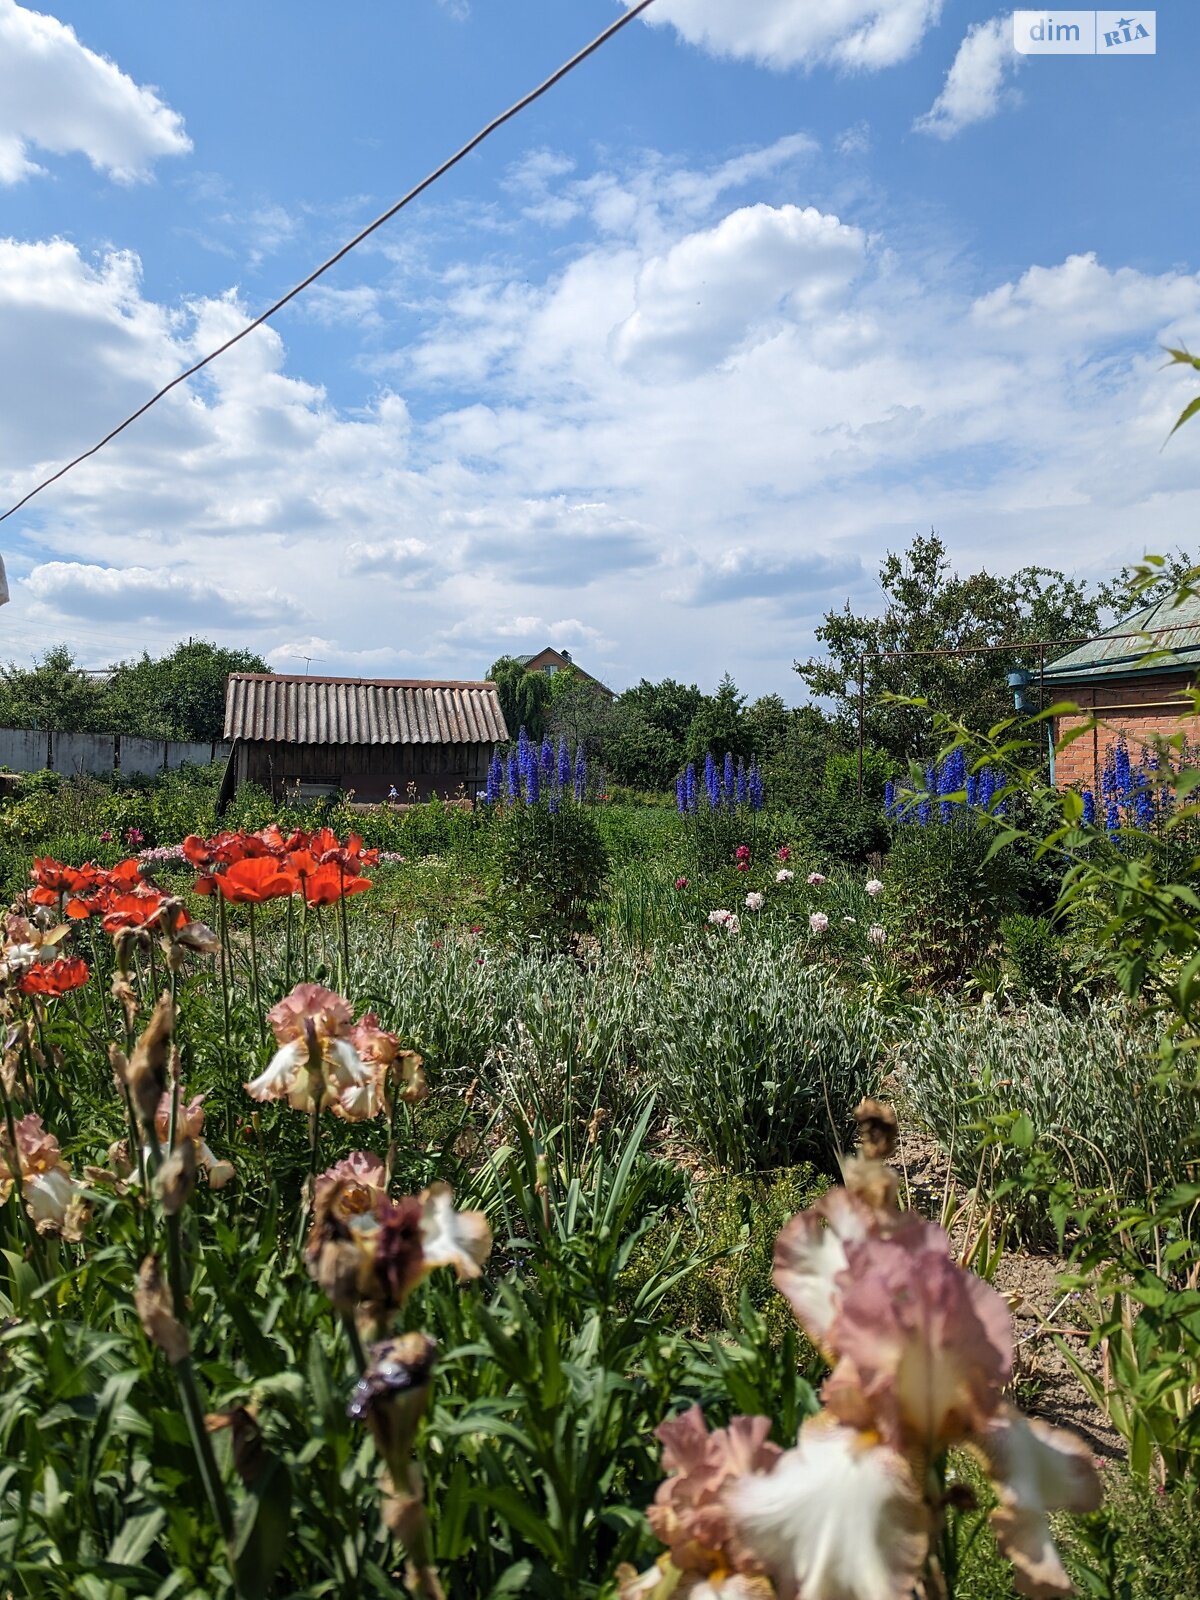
[[721, 724], [524, 696], [54, 693], [177, 696], [768, 720], [930, 607], [579, 711]]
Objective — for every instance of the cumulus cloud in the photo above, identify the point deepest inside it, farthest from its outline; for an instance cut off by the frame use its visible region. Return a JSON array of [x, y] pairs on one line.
[[739, 465], [133, 595], [858, 34], [715, 289], [57, 95], [974, 87]]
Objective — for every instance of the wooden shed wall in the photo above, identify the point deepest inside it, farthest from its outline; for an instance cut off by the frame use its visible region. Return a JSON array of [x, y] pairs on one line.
[[367, 769]]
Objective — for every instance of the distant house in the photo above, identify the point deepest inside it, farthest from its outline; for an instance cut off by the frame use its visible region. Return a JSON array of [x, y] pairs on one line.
[[316, 736], [1111, 677], [551, 661]]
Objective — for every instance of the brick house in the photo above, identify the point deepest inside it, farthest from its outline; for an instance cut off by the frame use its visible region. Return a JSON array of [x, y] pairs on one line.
[[551, 661], [1134, 678]]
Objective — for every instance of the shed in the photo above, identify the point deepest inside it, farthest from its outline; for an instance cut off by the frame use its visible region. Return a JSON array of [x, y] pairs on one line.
[[1135, 678], [316, 736]]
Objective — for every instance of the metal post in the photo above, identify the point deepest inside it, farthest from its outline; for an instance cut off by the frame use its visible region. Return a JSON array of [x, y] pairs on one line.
[[861, 717]]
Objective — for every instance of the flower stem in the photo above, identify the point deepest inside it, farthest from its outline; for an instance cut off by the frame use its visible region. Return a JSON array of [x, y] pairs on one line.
[[224, 933], [258, 1011]]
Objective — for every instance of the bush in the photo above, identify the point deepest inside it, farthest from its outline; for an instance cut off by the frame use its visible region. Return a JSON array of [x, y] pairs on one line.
[[551, 868], [1035, 952], [944, 898]]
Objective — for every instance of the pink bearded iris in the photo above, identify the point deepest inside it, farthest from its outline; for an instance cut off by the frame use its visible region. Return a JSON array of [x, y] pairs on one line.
[[921, 1351], [316, 1065]]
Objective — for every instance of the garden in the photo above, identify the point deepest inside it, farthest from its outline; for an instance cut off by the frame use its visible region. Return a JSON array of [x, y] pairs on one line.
[[572, 1197]]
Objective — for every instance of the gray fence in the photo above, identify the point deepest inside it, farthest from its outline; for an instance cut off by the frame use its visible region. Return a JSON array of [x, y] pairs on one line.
[[101, 754]]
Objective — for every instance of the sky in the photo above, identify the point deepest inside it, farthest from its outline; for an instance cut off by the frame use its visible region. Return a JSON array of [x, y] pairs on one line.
[[659, 375]]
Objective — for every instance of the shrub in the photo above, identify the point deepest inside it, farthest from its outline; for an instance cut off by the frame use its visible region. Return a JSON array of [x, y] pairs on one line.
[[944, 898], [1035, 952], [551, 868]]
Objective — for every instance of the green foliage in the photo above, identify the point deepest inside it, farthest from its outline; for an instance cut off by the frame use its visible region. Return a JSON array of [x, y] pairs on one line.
[[720, 726], [930, 607], [524, 696], [1035, 950], [54, 693], [550, 866], [177, 696], [945, 896], [761, 1061]]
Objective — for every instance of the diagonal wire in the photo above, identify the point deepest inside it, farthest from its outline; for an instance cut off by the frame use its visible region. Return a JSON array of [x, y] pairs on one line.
[[431, 178]]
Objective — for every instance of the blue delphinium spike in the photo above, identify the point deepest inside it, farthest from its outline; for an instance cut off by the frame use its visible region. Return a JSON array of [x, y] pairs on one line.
[[533, 784], [512, 775], [712, 782], [742, 790], [987, 788], [1112, 817], [564, 764], [495, 778], [580, 773], [755, 787], [972, 788], [727, 777], [681, 795], [1124, 773], [689, 785], [1089, 809], [889, 800], [553, 801]]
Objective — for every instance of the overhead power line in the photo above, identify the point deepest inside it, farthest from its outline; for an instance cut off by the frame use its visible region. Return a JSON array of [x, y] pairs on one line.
[[431, 178]]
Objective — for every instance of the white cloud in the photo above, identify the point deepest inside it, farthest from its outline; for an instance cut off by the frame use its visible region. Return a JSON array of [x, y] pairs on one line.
[[830, 395], [133, 595], [59, 96], [717, 289], [974, 87], [866, 34]]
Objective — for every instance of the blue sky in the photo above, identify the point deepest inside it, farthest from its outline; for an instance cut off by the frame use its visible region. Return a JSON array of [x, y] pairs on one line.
[[659, 375]]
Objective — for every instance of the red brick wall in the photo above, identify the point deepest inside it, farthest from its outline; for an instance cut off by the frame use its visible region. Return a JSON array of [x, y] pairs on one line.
[[1137, 710]]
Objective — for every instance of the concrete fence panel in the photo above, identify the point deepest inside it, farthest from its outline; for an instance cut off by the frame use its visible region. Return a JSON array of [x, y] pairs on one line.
[[142, 758], [23, 749], [84, 752], [191, 754]]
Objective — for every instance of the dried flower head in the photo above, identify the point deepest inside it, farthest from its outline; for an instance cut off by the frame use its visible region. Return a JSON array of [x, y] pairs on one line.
[[147, 1071], [877, 1129], [159, 1323]]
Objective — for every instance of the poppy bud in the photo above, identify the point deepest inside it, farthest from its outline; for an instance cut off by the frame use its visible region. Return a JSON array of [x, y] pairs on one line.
[[877, 1129]]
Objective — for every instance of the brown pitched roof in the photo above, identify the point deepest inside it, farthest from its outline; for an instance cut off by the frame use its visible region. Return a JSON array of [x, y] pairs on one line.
[[307, 710]]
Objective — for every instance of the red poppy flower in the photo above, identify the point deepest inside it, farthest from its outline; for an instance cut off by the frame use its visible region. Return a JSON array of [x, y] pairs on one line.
[[49, 874], [329, 883], [54, 977], [130, 911], [125, 876], [253, 880]]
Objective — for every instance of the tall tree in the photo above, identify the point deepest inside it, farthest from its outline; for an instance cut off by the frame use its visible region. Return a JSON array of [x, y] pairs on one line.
[[54, 693], [524, 696], [720, 724], [177, 696], [931, 608]]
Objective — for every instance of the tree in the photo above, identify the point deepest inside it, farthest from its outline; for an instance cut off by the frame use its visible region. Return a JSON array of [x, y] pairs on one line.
[[579, 711], [929, 607], [767, 722], [1144, 583], [54, 693], [524, 696], [720, 724], [176, 696]]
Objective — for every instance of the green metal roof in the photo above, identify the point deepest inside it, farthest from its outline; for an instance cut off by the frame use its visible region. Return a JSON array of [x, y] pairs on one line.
[[1159, 638]]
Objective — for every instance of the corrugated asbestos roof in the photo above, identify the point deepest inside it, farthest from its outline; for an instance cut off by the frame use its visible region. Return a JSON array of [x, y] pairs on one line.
[[1172, 632], [296, 710]]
